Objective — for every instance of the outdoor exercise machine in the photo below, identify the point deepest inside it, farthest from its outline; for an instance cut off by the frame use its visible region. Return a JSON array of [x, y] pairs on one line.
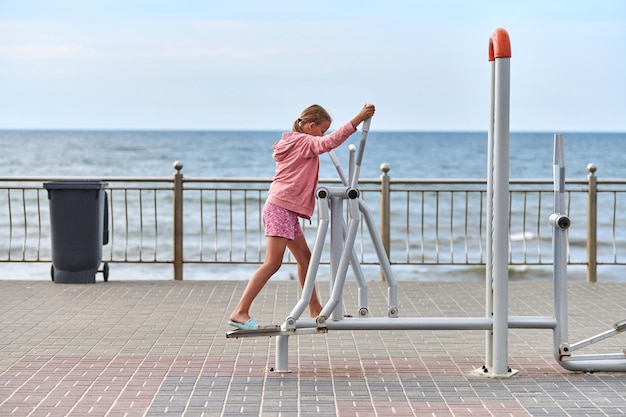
[[496, 322]]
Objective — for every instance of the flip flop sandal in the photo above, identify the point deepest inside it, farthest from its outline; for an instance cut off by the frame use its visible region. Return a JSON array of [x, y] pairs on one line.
[[249, 325]]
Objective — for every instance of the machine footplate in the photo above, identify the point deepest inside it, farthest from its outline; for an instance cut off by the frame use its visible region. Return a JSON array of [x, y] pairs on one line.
[[267, 331]]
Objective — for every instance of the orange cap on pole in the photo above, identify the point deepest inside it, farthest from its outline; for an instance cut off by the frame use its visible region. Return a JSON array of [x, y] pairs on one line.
[[499, 45]]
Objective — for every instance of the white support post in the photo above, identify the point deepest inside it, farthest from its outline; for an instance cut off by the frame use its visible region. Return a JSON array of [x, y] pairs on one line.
[[282, 354], [500, 53], [489, 226], [560, 223], [336, 249], [501, 223]]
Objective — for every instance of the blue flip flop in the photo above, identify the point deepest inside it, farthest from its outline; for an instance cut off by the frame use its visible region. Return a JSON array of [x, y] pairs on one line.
[[249, 325]]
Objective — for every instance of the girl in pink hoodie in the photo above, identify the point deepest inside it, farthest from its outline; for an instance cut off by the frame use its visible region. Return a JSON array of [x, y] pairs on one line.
[[291, 196]]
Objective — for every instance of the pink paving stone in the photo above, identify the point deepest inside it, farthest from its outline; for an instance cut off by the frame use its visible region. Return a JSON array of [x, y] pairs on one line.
[[87, 409], [126, 413], [418, 412], [128, 403], [355, 408], [24, 410], [53, 411], [393, 408]]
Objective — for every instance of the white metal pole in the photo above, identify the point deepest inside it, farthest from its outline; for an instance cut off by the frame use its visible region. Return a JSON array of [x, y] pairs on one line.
[[336, 249], [560, 224], [316, 255], [502, 55], [354, 176], [282, 354], [489, 220]]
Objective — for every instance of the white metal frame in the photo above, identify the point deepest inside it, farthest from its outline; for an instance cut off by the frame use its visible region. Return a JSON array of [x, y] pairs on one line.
[[497, 321], [562, 348]]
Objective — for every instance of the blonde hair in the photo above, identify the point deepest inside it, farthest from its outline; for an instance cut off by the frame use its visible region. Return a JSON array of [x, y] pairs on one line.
[[314, 113]]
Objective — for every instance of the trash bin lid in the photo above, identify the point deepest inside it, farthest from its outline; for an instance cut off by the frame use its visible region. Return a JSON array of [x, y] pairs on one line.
[[75, 185]]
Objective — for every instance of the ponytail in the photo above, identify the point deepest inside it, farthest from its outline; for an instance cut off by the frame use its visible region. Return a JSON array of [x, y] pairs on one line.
[[314, 113]]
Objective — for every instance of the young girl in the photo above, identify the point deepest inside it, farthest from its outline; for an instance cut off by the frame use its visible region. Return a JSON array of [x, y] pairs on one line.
[[292, 195]]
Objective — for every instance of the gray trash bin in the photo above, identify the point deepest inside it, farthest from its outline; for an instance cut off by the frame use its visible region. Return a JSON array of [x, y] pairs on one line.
[[78, 228]]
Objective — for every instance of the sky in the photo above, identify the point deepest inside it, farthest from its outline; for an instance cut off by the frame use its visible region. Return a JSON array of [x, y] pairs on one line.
[[255, 65]]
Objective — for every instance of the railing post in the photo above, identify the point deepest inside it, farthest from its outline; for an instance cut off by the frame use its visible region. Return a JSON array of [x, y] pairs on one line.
[[178, 221], [592, 223], [385, 207]]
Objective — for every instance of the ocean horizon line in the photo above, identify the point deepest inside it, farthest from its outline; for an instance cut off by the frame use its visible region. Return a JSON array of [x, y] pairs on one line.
[[190, 130]]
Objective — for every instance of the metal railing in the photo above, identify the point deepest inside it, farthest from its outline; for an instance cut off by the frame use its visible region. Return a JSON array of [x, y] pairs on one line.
[[180, 221]]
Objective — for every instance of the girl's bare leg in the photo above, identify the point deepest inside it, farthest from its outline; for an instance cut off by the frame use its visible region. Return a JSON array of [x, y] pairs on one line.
[[274, 252]]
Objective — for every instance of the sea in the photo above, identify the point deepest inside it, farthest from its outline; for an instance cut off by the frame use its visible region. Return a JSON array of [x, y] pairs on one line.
[[107, 153]]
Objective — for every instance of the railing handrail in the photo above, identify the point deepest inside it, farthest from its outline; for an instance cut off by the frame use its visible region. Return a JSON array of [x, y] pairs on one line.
[[268, 180], [73, 177]]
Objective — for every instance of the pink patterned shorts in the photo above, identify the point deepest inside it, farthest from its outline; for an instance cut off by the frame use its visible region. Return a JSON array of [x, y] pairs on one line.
[[280, 222]]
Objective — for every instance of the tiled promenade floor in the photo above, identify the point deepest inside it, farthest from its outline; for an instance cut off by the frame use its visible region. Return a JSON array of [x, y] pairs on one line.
[[159, 349]]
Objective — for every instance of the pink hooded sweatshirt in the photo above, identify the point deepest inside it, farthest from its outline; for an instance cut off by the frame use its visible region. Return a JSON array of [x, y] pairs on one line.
[[297, 168]]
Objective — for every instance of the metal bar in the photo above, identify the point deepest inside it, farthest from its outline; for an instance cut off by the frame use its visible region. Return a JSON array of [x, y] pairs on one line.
[[201, 225], [126, 229], [385, 215], [230, 223], [592, 224], [25, 220], [598, 357], [316, 255], [245, 225], [113, 234], [538, 221], [593, 339], [156, 225], [524, 227], [429, 323], [466, 224], [437, 225], [452, 226], [215, 211], [593, 365], [10, 224], [614, 222], [178, 221], [140, 225], [38, 226]]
